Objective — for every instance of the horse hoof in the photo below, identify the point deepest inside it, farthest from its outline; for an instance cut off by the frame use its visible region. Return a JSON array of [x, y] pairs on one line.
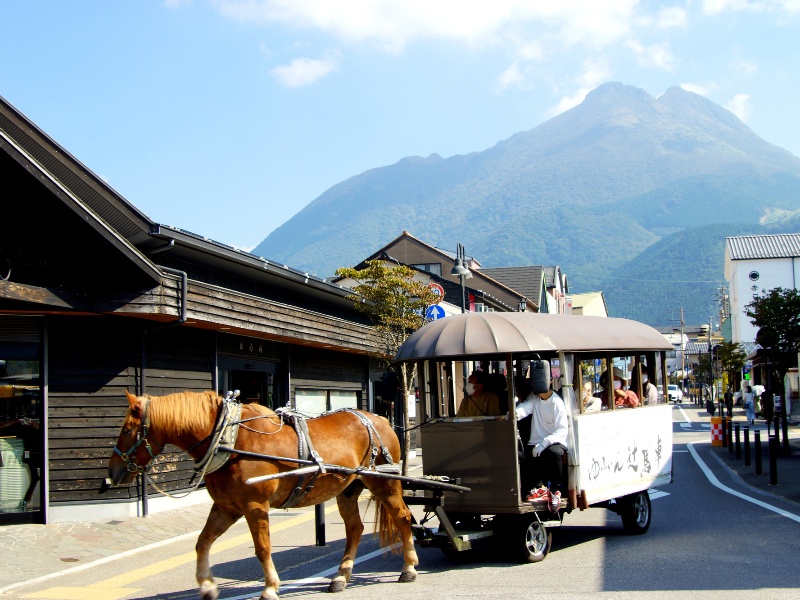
[[337, 585], [209, 591], [407, 577]]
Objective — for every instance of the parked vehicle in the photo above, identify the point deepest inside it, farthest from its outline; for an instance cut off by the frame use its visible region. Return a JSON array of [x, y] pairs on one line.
[[614, 455], [675, 393]]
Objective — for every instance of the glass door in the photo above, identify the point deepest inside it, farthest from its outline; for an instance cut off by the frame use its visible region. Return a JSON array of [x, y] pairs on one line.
[[21, 434]]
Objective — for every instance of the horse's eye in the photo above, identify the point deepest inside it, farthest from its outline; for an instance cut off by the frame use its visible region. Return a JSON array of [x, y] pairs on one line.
[[126, 430]]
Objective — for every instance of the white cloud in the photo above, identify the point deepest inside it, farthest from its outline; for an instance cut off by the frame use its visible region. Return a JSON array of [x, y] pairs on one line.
[[393, 24], [594, 73], [511, 76], [303, 71], [672, 17], [655, 55], [703, 90], [715, 7], [740, 106], [748, 67]]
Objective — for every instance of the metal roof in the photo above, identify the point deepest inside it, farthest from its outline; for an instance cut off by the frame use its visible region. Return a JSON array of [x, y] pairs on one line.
[[473, 334], [781, 245]]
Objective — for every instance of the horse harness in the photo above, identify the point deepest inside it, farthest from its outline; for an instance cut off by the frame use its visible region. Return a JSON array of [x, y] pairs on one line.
[[141, 438], [306, 448]]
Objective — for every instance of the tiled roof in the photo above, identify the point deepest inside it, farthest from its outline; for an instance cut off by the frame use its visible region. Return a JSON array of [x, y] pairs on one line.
[[782, 245], [525, 280]]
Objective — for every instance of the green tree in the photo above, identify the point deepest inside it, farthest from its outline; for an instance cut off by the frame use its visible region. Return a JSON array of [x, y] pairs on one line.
[[396, 303], [731, 358], [776, 313]]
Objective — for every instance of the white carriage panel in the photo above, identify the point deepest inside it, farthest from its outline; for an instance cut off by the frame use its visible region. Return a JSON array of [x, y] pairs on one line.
[[624, 451]]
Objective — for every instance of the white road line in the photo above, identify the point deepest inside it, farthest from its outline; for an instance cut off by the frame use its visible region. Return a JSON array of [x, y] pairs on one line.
[[654, 493], [716, 483], [685, 416]]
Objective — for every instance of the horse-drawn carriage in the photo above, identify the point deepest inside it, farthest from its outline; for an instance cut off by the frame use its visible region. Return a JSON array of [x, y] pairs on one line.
[[254, 459], [614, 454]]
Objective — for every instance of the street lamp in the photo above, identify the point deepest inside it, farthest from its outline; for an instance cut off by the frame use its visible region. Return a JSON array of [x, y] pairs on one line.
[[523, 304], [460, 269]]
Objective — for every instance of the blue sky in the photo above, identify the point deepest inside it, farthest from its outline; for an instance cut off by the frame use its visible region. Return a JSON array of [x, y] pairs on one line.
[[227, 117]]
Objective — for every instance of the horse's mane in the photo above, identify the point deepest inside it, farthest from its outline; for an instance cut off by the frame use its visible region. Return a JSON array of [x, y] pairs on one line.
[[183, 412]]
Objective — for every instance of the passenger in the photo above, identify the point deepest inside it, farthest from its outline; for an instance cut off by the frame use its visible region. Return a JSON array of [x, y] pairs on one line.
[[478, 403], [649, 391], [749, 405], [591, 403], [622, 397], [546, 447], [496, 384]]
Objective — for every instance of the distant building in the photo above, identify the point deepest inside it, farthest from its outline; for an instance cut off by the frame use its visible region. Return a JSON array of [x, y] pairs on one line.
[[754, 263], [591, 304]]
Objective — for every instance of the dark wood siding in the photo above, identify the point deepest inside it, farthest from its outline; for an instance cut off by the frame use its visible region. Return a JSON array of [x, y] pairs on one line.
[[322, 369], [92, 361]]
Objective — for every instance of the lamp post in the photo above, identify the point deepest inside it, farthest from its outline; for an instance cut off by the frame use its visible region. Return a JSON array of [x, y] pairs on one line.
[[461, 270]]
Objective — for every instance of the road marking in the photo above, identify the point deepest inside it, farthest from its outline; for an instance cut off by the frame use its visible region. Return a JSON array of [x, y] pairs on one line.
[[686, 418], [655, 493], [110, 589], [716, 483]]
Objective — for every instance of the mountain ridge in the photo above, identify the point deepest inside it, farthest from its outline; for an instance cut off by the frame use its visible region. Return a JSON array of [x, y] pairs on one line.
[[589, 189]]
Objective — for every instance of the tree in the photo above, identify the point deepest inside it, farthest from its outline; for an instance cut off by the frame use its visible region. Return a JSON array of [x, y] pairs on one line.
[[731, 357], [776, 313], [396, 303]]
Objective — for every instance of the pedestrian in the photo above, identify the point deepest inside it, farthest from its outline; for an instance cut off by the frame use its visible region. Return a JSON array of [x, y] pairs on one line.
[[729, 401], [749, 407]]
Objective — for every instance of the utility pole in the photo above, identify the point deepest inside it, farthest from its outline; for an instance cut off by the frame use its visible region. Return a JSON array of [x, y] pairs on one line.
[[683, 358]]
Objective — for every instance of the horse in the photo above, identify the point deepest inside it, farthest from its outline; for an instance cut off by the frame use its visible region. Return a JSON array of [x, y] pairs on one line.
[[350, 439]]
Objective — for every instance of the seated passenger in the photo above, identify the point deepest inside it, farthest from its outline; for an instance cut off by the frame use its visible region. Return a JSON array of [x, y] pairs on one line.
[[478, 403], [543, 461], [623, 398], [649, 391], [496, 384], [590, 402]]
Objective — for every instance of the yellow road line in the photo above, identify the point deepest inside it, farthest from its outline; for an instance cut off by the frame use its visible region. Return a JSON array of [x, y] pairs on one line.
[[113, 588]]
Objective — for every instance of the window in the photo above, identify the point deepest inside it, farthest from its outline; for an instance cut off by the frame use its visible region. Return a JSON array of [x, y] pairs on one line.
[[314, 402], [435, 268]]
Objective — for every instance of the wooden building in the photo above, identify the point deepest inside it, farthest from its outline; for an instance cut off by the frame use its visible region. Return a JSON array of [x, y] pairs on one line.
[[96, 299]]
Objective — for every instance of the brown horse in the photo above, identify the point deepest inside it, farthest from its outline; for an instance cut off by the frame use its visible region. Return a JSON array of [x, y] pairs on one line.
[[187, 420]]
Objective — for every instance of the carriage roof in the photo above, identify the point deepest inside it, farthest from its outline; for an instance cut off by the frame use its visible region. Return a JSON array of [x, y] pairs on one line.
[[513, 332]]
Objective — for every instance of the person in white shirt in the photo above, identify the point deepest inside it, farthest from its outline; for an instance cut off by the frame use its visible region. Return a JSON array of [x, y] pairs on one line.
[[542, 464]]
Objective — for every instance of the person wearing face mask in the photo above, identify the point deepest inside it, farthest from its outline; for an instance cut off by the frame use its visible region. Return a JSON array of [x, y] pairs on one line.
[[477, 402], [623, 398], [649, 391]]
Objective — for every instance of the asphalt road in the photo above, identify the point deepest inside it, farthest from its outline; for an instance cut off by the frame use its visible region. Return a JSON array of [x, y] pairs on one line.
[[708, 539]]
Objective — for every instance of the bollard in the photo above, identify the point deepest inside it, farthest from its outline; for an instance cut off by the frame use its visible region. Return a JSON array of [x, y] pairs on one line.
[[746, 446], [757, 442], [738, 443], [716, 431], [730, 437], [319, 523], [773, 460], [724, 431], [777, 428]]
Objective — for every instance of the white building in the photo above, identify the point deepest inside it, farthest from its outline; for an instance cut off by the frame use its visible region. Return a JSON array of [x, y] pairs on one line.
[[754, 263]]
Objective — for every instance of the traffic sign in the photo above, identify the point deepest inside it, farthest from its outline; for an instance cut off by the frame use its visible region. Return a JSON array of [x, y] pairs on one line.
[[438, 291], [434, 312]]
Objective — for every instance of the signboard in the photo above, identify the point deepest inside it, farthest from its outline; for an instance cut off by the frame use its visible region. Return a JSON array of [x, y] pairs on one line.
[[438, 291], [434, 312]]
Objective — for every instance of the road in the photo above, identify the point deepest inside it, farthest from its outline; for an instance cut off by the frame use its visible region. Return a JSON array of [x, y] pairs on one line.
[[707, 538]]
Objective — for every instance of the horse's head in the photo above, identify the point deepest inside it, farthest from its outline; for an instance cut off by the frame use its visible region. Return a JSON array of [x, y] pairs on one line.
[[136, 446]]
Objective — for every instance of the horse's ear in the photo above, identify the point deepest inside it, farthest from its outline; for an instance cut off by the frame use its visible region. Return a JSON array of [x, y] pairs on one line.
[[135, 403]]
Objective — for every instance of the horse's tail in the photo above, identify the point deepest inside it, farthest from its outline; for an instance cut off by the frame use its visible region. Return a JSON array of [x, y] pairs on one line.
[[388, 534]]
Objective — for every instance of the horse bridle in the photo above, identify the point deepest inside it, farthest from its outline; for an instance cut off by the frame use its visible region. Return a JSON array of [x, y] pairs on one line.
[[141, 438]]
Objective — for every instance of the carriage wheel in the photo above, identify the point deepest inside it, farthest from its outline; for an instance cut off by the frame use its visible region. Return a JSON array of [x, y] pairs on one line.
[[525, 538], [636, 512]]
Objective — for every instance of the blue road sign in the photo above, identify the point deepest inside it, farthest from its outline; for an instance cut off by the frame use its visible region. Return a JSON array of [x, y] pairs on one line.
[[433, 312]]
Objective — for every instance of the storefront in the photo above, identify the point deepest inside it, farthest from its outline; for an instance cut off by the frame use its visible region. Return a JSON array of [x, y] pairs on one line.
[[96, 300]]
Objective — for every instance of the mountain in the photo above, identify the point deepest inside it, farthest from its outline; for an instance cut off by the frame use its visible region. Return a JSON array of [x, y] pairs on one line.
[[589, 190]]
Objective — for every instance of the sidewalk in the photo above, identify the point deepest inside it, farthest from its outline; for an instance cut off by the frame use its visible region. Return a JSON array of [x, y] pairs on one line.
[[788, 467], [29, 552]]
